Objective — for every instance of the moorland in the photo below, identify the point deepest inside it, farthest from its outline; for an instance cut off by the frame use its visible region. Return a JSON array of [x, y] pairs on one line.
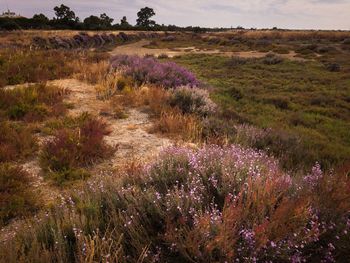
[[147, 146]]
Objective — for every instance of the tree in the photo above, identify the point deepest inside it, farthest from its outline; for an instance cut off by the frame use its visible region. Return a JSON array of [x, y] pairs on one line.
[[106, 20], [41, 18], [102, 22], [92, 22], [124, 21], [64, 13], [144, 16]]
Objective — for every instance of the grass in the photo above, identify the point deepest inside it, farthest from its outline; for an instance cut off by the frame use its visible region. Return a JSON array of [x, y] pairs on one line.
[[311, 104]]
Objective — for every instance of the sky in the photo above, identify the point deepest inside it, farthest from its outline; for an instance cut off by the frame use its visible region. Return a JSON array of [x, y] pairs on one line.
[[291, 14]]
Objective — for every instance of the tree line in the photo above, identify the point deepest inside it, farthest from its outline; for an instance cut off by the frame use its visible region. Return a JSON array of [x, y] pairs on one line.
[[65, 18]]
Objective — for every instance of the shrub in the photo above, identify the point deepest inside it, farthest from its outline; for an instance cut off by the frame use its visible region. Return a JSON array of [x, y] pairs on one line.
[[32, 103], [333, 67], [163, 56], [235, 93], [272, 59], [149, 70], [16, 142], [279, 102], [169, 38], [192, 101], [16, 197], [32, 66], [71, 150], [238, 61]]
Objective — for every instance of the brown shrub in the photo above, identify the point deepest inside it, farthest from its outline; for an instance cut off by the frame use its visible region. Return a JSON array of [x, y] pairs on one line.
[[16, 142], [16, 196], [71, 150]]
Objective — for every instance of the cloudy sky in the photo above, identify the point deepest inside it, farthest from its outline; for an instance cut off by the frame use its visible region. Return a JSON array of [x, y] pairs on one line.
[[299, 14]]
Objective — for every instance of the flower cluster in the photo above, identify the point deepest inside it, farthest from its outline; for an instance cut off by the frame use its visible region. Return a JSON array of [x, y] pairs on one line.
[[149, 70]]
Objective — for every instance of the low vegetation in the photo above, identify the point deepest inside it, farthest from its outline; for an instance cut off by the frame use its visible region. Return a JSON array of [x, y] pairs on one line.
[[209, 204], [149, 70], [64, 157], [262, 174], [311, 107], [16, 198]]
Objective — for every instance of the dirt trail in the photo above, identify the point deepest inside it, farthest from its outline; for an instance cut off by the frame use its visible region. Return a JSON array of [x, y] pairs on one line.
[[129, 135], [139, 49]]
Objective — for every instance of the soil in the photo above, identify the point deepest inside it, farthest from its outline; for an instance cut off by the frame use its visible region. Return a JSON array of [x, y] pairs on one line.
[[139, 48]]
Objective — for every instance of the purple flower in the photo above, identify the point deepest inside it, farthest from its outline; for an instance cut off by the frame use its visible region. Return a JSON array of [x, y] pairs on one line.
[[149, 70]]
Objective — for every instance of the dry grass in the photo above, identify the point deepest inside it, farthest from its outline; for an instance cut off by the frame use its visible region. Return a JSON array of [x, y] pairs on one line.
[[167, 120], [93, 73], [177, 125]]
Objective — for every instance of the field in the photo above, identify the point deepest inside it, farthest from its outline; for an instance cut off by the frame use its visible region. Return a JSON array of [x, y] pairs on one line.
[[175, 147]]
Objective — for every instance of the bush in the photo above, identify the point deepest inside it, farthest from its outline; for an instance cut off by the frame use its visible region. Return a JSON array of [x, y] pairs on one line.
[[272, 59], [32, 103], [10, 26], [333, 67], [238, 61], [163, 56], [279, 102], [71, 150], [16, 197], [32, 66], [149, 70], [235, 93], [192, 101], [16, 142], [169, 38]]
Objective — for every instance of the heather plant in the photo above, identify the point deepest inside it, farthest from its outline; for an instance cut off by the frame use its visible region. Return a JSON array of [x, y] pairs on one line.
[[65, 156], [28, 66], [32, 103], [192, 101], [16, 142], [210, 204], [272, 59], [149, 70], [16, 198]]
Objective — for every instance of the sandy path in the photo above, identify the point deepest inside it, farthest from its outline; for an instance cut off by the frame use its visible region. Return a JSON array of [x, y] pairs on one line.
[[129, 135], [139, 49]]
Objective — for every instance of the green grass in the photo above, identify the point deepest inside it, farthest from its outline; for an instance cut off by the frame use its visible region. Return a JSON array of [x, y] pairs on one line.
[[302, 98]]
